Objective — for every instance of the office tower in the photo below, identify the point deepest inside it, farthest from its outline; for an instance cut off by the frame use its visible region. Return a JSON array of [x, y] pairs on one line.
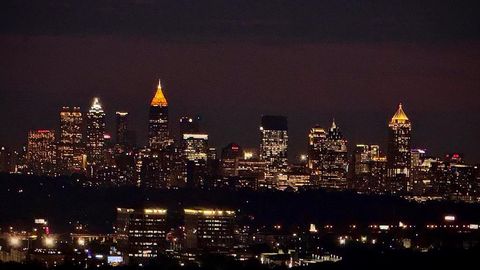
[[156, 169], [417, 175], [195, 150], [95, 140], [464, 185], [158, 136], [335, 163], [209, 229], [316, 151], [398, 152], [363, 155], [70, 148], [195, 146], [273, 145], [417, 155], [121, 130], [231, 154], [41, 152], [451, 179], [144, 231], [157, 161], [369, 173]]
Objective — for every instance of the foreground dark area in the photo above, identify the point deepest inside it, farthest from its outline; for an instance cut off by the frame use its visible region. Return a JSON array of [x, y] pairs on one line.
[[308, 229], [61, 201], [358, 259]]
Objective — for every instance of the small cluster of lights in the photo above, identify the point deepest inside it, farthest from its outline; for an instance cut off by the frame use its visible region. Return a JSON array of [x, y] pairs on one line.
[[49, 241], [449, 218], [209, 212], [15, 241], [153, 211]]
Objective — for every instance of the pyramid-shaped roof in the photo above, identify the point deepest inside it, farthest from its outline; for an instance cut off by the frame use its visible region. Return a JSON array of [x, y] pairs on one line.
[[159, 98], [400, 116]]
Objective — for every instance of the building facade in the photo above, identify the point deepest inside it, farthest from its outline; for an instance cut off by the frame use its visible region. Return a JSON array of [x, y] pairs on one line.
[[122, 132], [273, 146], [399, 152], [335, 162], [209, 229], [95, 139], [70, 146], [316, 149], [41, 152], [142, 233], [369, 169], [158, 134]]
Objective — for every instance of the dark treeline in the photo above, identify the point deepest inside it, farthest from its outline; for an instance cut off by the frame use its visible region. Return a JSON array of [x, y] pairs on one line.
[[61, 201]]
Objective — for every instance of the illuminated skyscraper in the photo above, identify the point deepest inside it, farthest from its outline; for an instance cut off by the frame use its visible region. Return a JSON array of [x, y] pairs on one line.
[[95, 142], [363, 155], [316, 149], [369, 169], [157, 161], [158, 137], [195, 155], [335, 163], [398, 152], [41, 152], [70, 147], [273, 145]]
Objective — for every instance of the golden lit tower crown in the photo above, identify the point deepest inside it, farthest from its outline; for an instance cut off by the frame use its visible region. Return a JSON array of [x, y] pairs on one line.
[[159, 98], [399, 117]]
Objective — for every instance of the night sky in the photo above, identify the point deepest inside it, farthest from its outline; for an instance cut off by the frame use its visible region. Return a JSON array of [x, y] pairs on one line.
[[232, 61]]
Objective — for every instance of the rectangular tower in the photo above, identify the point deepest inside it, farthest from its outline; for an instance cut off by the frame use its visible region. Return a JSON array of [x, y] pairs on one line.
[[70, 148], [273, 145]]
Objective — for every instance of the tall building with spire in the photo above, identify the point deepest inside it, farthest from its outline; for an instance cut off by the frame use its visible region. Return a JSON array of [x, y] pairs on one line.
[[70, 148], [95, 139], [158, 136], [398, 151], [335, 160], [156, 163]]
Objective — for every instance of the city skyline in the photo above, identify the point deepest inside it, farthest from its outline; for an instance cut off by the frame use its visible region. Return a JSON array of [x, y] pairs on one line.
[[239, 134], [297, 147]]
